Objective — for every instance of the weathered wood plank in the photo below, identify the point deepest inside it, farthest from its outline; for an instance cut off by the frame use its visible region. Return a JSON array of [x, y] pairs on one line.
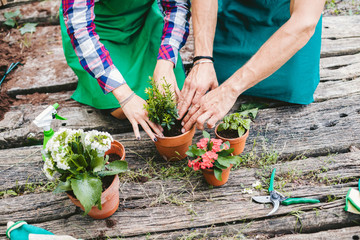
[[167, 219], [311, 130], [343, 233], [36, 208], [336, 89], [43, 12], [312, 221], [341, 27], [340, 68], [338, 47]]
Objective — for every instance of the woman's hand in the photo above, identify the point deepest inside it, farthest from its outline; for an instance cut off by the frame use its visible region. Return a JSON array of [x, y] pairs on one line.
[[213, 106], [164, 71], [136, 114], [201, 78]]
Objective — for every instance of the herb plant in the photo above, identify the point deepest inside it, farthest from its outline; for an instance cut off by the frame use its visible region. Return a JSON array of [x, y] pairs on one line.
[[77, 159], [161, 106], [239, 121], [12, 17], [211, 153]]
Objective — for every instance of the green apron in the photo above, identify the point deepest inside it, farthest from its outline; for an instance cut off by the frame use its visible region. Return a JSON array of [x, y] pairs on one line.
[[243, 27], [131, 31]]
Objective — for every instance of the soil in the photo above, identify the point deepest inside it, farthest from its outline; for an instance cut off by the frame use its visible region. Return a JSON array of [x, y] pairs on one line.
[[5, 102], [228, 133], [141, 179], [174, 131], [113, 157], [110, 223]]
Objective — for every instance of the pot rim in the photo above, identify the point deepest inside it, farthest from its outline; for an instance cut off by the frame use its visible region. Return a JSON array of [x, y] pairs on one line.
[[119, 144], [245, 135], [181, 135]]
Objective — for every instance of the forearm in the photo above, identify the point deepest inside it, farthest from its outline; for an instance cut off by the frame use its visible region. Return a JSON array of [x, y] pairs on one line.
[[281, 46], [273, 54], [204, 24], [176, 28], [92, 54]]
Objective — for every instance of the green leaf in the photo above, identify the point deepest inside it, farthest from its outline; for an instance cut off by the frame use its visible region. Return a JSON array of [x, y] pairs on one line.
[[63, 186], [80, 160], [194, 151], [97, 164], [15, 14], [224, 161], [10, 22], [227, 119], [226, 126], [87, 190], [218, 165], [225, 153], [28, 28], [206, 135], [245, 123], [241, 131], [234, 159], [233, 126], [218, 173], [114, 168], [221, 127]]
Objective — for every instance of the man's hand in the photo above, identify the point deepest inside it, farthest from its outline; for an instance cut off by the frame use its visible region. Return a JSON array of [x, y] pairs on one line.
[[213, 106], [164, 70], [201, 79]]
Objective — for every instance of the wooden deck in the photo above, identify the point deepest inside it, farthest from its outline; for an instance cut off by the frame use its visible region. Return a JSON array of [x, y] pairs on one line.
[[314, 148]]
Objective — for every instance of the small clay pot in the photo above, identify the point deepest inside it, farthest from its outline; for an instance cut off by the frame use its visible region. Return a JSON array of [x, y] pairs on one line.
[[238, 144], [110, 197], [211, 179], [116, 148], [109, 201], [174, 148]]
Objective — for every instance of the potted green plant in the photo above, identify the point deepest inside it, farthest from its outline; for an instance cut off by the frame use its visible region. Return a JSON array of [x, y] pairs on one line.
[[161, 108], [86, 165], [214, 158], [235, 129]]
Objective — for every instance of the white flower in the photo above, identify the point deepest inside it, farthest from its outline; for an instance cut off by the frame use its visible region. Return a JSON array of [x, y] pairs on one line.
[[98, 141], [73, 134], [247, 190], [256, 184], [49, 168]]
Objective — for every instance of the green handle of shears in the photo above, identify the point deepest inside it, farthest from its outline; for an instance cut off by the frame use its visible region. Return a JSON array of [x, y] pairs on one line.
[[271, 187], [290, 201]]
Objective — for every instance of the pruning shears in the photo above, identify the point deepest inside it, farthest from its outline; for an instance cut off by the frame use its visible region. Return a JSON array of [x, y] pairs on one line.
[[276, 198]]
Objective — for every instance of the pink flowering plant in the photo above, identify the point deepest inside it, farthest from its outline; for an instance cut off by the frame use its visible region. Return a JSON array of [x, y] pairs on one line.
[[211, 153]]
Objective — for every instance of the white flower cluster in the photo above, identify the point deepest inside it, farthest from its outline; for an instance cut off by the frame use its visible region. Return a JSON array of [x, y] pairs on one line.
[[99, 141], [58, 150]]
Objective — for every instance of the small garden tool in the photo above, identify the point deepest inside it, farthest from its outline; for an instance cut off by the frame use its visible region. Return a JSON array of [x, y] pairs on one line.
[[352, 202], [276, 198], [44, 121], [23, 231]]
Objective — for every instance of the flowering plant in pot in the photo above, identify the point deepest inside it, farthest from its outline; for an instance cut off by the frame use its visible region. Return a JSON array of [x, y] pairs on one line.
[[161, 108], [235, 129], [86, 163], [214, 158]]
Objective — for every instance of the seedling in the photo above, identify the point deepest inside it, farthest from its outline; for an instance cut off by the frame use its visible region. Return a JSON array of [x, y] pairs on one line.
[[161, 106]]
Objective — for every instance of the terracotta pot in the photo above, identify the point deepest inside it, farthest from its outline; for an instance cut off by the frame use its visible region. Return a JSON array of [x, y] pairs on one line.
[[116, 148], [211, 179], [110, 197], [109, 201], [237, 143], [174, 148]]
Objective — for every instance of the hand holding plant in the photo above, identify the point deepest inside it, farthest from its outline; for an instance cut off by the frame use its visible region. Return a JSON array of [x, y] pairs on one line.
[[211, 153]]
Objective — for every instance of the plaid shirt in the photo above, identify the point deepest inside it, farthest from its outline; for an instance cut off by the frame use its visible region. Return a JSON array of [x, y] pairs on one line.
[[95, 58]]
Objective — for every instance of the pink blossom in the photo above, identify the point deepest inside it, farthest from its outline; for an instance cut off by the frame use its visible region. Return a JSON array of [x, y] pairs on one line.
[[195, 164], [202, 143], [209, 156], [216, 144]]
